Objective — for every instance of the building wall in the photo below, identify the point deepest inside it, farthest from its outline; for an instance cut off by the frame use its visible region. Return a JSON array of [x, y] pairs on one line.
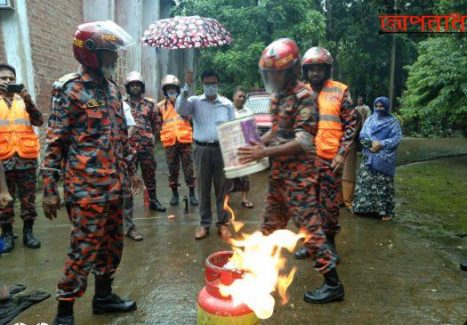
[[36, 38], [51, 28]]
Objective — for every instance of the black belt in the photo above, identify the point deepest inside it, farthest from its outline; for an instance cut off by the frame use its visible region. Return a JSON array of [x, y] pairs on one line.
[[207, 144]]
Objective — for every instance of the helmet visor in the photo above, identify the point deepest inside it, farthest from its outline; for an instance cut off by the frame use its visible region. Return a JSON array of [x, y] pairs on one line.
[[277, 80], [112, 37]]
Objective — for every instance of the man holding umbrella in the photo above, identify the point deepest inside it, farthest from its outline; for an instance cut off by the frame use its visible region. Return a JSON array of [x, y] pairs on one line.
[[176, 138]]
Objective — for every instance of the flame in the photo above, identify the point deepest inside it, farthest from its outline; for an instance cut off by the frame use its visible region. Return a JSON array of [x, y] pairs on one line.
[[237, 225], [261, 260]]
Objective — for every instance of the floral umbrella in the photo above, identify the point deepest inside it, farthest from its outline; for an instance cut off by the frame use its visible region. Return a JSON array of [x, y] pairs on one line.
[[185, 32]]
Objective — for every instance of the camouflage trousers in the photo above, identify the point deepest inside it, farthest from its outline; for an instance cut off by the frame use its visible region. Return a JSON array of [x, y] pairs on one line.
[[21, 185], [180, 152], [145, 159], [96, 245], [329, 195], [296, 199]]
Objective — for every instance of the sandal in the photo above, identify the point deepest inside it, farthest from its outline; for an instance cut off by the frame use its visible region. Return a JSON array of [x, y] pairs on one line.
[[247, 204], [135, 235], [386, 218]]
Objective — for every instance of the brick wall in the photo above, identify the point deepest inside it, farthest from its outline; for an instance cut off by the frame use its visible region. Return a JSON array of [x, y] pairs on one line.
[[51, 27]]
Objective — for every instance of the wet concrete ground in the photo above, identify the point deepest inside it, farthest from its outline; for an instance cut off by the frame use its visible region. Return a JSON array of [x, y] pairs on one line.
[[390, 275]]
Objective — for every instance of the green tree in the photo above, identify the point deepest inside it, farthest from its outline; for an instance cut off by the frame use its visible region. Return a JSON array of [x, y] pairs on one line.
[[253, 25], [362, 55], [435, 101], [436, 97]]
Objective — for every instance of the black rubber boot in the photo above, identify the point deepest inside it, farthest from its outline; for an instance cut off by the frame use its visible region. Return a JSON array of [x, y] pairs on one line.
[[193, 200], [8, 238], [175, 198], [302, 253], [332, 245], [154, 203], [331, 290], [64, 313], [28, 237], [105, 301]]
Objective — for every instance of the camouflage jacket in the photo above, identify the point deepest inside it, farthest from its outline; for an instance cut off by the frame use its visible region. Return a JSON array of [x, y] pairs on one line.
[[87, 140], [294, 117], [147, 120]]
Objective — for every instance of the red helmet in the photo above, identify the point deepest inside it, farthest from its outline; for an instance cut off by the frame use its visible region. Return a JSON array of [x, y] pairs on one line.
[[98, 35], [278, 64], [279, 55], [317, 55]]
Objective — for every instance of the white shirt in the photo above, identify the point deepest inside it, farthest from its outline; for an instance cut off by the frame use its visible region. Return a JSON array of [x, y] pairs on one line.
[[130, 121], [242, 112]]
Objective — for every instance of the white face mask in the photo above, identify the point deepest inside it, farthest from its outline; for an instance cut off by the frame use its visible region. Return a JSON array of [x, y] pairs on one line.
[[172, 94], [109, 71], [210, 90]]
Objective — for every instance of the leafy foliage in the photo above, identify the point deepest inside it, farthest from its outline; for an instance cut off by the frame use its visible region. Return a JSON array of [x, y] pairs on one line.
[[436, 88], [436, 98], [254, 24], [435, 102]]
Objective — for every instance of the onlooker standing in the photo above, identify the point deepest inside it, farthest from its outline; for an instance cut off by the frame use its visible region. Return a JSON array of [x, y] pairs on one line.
[[19, 150], [349, 172], [380, 137], [87, 140], [240, 184], [208, 110], [148, 125], [130, 227], [176, 138]]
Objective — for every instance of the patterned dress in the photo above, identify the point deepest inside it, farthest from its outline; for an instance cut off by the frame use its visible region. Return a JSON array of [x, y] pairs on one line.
[[374, 192]]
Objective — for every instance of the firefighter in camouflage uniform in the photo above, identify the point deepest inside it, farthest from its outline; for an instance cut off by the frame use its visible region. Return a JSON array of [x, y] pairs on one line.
[[87, 142], [293, 178], [148, 125], [176, 137], [336, 129]]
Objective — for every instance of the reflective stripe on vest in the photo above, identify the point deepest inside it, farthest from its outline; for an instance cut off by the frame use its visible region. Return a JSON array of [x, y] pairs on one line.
[[22, 121], [16, 132], [330, 128]]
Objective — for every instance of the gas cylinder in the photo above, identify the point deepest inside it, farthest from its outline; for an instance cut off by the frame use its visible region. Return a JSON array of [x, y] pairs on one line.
[[213, 308], [146, 198]]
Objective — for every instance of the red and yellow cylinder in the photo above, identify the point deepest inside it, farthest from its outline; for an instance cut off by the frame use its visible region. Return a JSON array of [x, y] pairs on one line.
[[215, 309]]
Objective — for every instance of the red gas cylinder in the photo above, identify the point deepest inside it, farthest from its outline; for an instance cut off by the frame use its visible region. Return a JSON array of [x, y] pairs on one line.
[[213, 308]]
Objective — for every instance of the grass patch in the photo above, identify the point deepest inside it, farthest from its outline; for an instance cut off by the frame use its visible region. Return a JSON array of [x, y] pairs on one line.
[[432, 196]]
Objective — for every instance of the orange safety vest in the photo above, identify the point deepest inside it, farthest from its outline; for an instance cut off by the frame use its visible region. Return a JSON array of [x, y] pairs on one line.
[[330, 128], [174, 127], [16, 132]]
